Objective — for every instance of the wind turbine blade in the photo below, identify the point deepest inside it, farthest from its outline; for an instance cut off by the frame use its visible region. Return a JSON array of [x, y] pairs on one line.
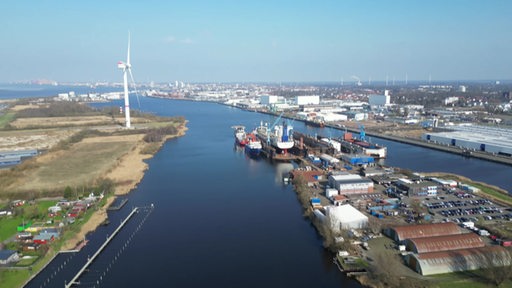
[[128, 54], [134, 87]]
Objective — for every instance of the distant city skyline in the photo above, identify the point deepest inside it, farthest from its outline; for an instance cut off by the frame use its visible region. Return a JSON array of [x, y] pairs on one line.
[[259, 41]]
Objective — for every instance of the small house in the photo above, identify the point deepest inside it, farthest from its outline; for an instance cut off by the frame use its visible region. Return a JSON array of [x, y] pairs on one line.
[[44, 238], [8, 256]]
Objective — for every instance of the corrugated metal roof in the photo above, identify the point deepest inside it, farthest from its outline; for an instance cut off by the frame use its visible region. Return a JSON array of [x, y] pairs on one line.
[[426, 230], [460, 253], [460, 260], [444, 243]]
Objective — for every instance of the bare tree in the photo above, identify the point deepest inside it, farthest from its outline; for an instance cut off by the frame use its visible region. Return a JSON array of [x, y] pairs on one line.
[[499, 268], [374, 225]]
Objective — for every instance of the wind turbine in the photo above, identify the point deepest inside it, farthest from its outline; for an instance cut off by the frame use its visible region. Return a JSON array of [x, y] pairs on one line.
[[126, 67]]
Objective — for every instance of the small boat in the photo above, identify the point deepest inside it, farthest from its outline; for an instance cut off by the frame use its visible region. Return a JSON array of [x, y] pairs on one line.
[[253, 146], [240, 135]]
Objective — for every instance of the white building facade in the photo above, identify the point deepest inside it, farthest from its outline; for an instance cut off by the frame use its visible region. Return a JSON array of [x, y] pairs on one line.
[[379, 100], [307, 100]]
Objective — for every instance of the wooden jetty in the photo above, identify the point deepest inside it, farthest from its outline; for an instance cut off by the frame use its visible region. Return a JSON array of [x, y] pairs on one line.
[[91, 259]]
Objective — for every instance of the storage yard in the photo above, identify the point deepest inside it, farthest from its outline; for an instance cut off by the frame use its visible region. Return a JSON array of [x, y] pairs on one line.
[[435, 223]]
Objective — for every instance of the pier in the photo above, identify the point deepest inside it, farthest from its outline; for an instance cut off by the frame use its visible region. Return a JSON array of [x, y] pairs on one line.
[[118, 204], [90, 260]]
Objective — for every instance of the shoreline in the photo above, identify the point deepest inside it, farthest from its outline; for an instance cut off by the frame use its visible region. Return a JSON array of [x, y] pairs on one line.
[[131, 166]]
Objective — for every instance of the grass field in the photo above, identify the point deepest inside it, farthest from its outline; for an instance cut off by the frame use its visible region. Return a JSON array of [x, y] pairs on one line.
[[5, 119], [9, 224], [472, 279], [79, 165], [493, 193]]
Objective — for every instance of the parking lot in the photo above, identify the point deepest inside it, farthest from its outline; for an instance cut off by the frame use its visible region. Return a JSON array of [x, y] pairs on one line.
[[461, 207]]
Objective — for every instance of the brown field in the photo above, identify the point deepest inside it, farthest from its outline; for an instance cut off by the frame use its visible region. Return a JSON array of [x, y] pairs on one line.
[[395, 129], [45, 122], [23, 107], [41, 139], [77, 166]]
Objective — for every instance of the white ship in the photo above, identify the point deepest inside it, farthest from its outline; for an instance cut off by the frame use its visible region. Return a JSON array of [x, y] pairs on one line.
[[279, 136]]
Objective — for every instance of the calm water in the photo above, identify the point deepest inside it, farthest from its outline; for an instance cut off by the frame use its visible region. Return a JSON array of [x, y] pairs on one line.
[[8, 91], [221, 219]]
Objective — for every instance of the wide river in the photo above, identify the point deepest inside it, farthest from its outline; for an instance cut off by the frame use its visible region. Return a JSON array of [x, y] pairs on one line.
[[222, 219]]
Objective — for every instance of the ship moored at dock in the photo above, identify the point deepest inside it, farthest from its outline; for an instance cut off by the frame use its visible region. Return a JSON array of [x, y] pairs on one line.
[[361, 145], [253, 146], [279, 136], [240, 135]]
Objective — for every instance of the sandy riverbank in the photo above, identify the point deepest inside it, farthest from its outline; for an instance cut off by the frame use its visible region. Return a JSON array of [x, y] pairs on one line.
[[126, 174]]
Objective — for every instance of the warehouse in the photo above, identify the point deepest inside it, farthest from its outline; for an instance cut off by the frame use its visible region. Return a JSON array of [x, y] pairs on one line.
[[358, 159], [345, 217], [307, 100], [401, 233], [375, 100], [417, 188], [329, 160], [476, 138], [347, 183], [458, 260], [444, 243]]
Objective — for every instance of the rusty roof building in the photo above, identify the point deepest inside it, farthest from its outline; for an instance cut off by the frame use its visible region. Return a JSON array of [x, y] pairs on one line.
[[401, 233], [459, 260], [444, 243]]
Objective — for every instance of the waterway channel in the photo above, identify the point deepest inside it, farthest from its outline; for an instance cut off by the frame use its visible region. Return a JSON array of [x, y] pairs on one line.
[[222, 219]]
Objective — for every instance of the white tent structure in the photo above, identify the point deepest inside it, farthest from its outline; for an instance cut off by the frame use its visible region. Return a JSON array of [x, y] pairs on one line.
[[345, 217]]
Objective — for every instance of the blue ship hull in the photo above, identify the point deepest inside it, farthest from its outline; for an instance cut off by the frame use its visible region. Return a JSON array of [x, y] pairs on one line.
[[252, 152]]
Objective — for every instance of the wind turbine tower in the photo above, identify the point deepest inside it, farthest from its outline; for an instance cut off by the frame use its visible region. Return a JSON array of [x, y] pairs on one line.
[[126, 67]]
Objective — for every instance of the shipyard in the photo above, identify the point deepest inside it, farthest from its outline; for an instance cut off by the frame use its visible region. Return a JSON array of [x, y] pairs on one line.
[[256, 144], [361, 207], [356, 202]]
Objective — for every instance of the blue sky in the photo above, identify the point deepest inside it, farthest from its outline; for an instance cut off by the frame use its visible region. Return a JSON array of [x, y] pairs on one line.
[[226, 41]]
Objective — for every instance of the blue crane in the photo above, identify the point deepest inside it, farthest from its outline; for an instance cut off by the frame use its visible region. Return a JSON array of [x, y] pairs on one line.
[[362, 134]]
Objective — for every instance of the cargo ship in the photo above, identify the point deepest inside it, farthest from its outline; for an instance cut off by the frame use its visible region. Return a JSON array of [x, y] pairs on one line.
[[316, 122], [361, 145], [253, 146], [240, 135], [279, 136]]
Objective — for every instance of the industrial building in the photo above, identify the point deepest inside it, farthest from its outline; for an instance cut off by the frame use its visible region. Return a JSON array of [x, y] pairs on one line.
[[10, 158], [356, 116], [268, 99], [458, 260], [401, 233], [345, 217], [475, 138], [417, 188], [375, 100], [444, 243], [307, 100], [347, 183], [329, 160], [357, 159]]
